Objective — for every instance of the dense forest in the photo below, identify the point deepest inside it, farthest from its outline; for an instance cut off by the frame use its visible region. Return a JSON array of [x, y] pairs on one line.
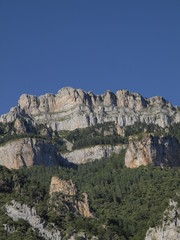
[[126, 202]]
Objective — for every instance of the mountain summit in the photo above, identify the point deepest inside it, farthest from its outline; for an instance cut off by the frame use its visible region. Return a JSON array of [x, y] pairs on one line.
[[74, 108]]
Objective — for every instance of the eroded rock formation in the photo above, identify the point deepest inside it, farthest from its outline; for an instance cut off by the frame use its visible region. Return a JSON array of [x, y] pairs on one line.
[[169, 229], [61, 186], [75, 108], [18, 211], [160, 151], [69, 197]]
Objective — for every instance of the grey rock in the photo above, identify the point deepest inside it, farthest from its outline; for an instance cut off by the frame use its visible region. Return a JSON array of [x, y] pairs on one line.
[[9, 229], [75, 108], [90, 154], [82, 236], [21, 211], [170, 228]]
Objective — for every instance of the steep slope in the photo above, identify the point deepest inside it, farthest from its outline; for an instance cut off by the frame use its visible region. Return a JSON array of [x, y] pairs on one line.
[[18, 211], [91, 154], [169, 229], [27, 152], [158, 150], [66, 192]]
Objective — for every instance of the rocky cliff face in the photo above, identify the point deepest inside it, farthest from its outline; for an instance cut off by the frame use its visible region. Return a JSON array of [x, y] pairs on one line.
[[92, 153], [74, 108], [27, 152], [69, 197], [170, 228], [160, 151], [18, 211], [61, 186]]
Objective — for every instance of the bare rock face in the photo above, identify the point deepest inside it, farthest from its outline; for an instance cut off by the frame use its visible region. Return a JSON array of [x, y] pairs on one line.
[[169, 229], [82, 236], [69, 197], [19, 126], [18, 211], [83, 207], [27, 152], [160, 151], [92, 153], [129, 100], [61, 186], [74, 108]]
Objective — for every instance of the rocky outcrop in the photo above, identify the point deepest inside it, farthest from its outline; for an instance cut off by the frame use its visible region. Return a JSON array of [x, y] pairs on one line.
[[75, 108], [82, 236], [18, 211], [92, 153], [69, 197], [61, 186], [83, 206], [27, 152], [170, 227], [19, 126], [9, 229], [160, 151]]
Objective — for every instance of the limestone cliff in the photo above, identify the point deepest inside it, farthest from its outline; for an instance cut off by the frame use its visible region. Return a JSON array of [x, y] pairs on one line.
[[90, 154], [160, 151], [18, 211], [170, 227], [69, 198], [27, 152], [62, 186], [75, 108]]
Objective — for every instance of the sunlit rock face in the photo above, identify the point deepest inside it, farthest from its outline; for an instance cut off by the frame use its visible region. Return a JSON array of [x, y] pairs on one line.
[[169, 229], [27, 152], [91, 154], [74, 108], [159, 151], [62, 186], [67, 190], [17, 211]]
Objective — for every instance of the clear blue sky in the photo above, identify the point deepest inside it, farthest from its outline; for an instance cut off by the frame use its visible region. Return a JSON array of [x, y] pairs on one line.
[[90, 44]]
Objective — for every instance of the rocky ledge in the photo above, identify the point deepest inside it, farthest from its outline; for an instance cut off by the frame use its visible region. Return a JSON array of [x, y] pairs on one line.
[[69, 197], [91, 154]]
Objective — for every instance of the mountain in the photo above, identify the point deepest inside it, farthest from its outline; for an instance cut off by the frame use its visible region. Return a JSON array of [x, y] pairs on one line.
[[74, 108], [33, 130], [76, 165]]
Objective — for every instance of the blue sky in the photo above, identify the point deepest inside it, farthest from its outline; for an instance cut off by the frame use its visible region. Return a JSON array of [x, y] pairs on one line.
[[95, 45]]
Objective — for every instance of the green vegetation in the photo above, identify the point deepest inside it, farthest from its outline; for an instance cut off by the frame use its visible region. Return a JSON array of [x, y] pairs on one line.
[[139, 128], [101, 134], [174, 130], [8, 132], [126, 201]]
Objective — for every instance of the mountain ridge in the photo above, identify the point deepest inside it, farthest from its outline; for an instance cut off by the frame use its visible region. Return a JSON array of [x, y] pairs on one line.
[[94, 166], [74, 108]]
